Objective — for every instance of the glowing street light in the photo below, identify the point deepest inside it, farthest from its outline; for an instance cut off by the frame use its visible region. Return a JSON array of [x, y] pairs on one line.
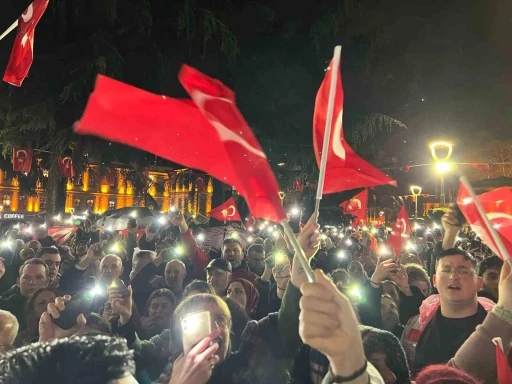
[[442, 164], [443, 167], [416, 192]]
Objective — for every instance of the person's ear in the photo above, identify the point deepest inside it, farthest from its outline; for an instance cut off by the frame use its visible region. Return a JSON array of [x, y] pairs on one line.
[[18, 281], [480, 283], [434, 281]]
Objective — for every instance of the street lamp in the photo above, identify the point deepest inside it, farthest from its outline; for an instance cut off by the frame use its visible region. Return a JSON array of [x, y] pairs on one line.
[[416, 191], [442, 164]]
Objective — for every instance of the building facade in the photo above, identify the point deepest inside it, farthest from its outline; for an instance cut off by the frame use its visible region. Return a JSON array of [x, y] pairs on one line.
[[89, 191]]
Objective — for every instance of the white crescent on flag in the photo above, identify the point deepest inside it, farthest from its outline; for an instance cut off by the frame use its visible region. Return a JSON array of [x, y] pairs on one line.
[[27, 15], [226, 213], [403, 226], [337, 145], [357, 203], [67, 162], [19, 158], [224, 133]]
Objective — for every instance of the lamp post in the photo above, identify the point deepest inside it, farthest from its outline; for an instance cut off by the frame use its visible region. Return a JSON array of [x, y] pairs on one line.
[[442, 164], [416, 192]]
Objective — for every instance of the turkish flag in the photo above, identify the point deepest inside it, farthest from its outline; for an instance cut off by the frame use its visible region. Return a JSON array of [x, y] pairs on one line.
[[345, 169], [22, 159], [177, 131], [62, 234], [357, 205], [66, 167], [255, 181], [22, 53], [400, 233], [226, 211], [497, 205], [200, 182]]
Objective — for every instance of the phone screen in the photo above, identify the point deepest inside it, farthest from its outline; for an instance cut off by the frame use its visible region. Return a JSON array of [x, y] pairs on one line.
[[194, 328]]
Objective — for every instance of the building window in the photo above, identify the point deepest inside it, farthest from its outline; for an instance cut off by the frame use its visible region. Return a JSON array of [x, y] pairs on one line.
[[77, 203], [90, 204], [22, 203], [42, 204], [92, 179], [6, 201], [78, 180], [111, 205]]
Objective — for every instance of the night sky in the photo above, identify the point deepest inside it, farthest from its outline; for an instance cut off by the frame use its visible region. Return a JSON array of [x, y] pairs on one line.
[[440, 67]]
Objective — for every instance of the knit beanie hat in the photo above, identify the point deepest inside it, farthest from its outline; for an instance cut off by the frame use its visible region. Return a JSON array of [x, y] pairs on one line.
[[443, 374]]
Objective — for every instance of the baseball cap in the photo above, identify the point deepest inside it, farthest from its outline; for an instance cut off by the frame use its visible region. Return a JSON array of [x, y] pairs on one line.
[[221, 264]]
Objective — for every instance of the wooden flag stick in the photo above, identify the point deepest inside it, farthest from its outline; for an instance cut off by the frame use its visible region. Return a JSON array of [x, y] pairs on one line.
[[9, 30], [328, 125], [299, 252]]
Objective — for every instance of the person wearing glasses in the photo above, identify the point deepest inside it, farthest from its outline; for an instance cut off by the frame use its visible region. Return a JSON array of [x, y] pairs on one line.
[[260, 357], [448, 319]]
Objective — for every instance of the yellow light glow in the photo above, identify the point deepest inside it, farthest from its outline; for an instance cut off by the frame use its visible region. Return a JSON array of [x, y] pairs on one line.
[[443, 167]]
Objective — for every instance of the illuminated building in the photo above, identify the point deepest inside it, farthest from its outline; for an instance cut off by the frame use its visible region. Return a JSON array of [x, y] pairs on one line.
[[89, 191]]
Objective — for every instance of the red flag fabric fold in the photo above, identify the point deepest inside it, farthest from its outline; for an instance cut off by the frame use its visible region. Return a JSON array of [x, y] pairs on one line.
[[255, 180], [22, 159], [357, 206], [400, 233], [345, 169], [178, 131], [226, 212], [497, 204], [22, 53]]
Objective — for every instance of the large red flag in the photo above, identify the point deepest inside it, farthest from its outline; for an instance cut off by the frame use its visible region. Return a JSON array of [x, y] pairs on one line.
[[226, 212], [497, 204], [66, 167], [345, 169], [400, 233], [256, 181], [22, 159], [357, 205], [175, 130], [22, 53]]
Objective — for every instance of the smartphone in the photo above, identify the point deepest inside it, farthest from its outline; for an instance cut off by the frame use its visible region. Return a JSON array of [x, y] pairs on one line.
[[295, 222], [461, 220], [120, 286], [194, 328], [78, 304]]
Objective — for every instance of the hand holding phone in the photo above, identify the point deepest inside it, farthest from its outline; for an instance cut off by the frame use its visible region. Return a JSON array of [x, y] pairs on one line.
[[62, 318], [194, 328]]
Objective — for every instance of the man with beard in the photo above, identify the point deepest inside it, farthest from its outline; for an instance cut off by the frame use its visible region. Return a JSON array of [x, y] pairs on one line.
[[256, 259]]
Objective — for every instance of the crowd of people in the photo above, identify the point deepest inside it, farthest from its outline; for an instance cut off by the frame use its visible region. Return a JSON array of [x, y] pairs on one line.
[[105, 308]]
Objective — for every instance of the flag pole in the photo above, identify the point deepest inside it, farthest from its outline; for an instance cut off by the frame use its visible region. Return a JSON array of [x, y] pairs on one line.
[[328, 125], [299, 252], [494, 234], [9, 30]]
